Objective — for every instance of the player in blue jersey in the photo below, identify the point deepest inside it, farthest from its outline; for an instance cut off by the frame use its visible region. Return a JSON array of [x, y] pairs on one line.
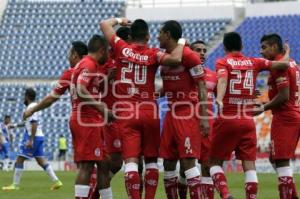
[[6, 141], [31, 146]]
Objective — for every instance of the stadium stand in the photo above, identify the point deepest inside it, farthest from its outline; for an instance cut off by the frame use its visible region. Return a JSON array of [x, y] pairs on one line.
[[253, 28], [54, 120], [36, 35]]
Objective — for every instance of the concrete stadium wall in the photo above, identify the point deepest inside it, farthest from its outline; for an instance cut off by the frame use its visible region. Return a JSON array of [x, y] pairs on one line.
[[3, 4], [208, 12], [269, 9]]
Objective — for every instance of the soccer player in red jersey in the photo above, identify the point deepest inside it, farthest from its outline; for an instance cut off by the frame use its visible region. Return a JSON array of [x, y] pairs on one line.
[[285, 127], [88, 118], [210, 78], [136, 67], [234, 128], [76, 53], [184, 87]]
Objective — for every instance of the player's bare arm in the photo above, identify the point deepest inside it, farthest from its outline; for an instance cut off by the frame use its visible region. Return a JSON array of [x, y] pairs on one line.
[[221, 90], [106, 26], [175, 57], [278, 100], [202, 95], [45, 103], [85, 95]]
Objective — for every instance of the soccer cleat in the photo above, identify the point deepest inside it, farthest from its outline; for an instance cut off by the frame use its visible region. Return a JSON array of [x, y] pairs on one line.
[[58, 184], [11, 187]]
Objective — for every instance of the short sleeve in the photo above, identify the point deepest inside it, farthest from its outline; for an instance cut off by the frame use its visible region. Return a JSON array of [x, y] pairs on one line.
[[262, 64], [281, 79], [63, 83], [221, 69], [117, 44], [193, 63]]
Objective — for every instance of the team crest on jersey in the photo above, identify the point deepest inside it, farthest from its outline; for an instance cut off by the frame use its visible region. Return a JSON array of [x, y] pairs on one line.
[[84, 75], [197, 71], [117, 143], [97, 152]]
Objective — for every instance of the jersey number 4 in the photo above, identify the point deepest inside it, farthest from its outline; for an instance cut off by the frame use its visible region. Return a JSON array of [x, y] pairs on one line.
[[134, 73], [247, 83]]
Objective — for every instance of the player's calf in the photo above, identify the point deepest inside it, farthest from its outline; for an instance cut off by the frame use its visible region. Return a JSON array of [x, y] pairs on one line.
[[219, 179], [192, 174], [151, 179]]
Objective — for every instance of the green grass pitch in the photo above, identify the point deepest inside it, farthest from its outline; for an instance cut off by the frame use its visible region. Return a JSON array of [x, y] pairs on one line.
[[36, 185]]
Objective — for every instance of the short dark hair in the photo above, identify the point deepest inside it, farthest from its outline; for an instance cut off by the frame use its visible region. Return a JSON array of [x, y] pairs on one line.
[[197, 42], [232, 41], [96, 42], [273, 39], [139, 29], [123, 32], [80, 48], [7, 117], [30, 93], [174, 28]]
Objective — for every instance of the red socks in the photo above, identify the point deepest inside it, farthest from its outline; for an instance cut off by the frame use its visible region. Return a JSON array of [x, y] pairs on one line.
[[251, 184], [193, 181], [207, 188], [220, 182], [132, 180], [170, 182], [285, 182], [151, 180]]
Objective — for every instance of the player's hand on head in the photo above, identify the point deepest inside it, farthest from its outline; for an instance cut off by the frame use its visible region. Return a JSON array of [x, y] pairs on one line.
[[125, 22], [205, 127]]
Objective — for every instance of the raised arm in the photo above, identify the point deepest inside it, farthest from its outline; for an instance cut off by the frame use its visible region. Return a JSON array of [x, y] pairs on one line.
[[175, 57], [45, 103], [107, 26]]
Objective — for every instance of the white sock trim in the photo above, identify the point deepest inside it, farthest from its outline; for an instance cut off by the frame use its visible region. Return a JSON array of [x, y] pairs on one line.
[[106, 193], [215, 169], [170, 174], [251, 176], [182, 180], [129, 167], [151, 166], [191, 173], [207, 180], [82, 190], [284, 171]]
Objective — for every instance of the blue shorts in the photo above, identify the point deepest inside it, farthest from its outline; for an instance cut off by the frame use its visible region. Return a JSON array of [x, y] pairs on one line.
[[4, 151], [36, 151]]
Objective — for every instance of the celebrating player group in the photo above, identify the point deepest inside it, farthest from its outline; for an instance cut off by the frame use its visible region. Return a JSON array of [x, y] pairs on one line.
[[115, 117]]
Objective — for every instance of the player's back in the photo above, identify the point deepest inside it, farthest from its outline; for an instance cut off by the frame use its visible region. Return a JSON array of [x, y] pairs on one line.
[[241, 72], [290, 110], [136, 68]]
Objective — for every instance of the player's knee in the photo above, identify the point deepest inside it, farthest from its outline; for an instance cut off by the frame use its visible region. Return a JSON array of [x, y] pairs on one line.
[[187, 163], [282, 163]]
